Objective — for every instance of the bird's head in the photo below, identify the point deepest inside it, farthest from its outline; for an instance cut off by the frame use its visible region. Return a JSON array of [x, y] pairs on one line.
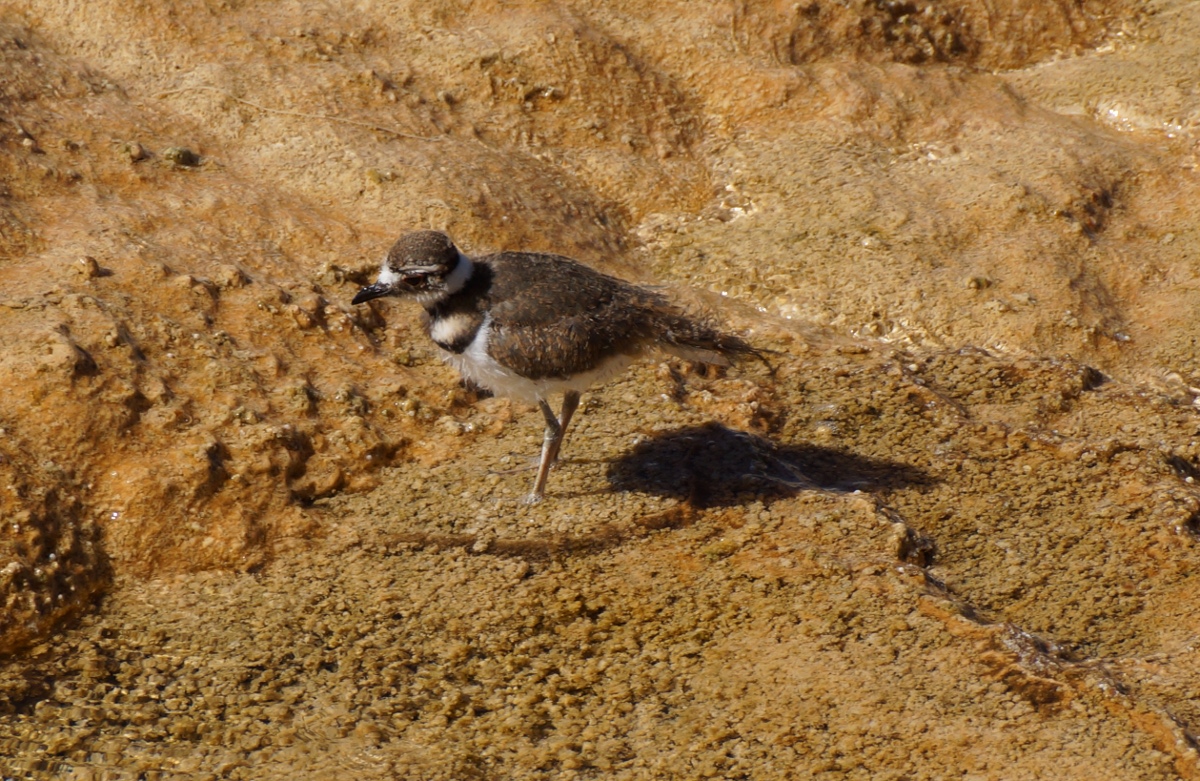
[[424, 265]]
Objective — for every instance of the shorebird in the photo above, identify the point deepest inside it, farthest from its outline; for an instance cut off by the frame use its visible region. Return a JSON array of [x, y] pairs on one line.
[[528, 325]]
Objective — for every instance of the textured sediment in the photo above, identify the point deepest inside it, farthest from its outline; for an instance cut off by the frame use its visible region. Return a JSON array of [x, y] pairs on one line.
[[250, 531]]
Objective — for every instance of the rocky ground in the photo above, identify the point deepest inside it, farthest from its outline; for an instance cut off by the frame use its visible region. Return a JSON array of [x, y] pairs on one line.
[[250, 531]]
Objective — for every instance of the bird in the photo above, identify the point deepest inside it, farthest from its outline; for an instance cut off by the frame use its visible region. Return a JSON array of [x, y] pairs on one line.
[[530, 325]]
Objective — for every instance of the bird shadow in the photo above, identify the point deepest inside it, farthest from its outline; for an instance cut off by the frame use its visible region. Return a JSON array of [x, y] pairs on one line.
[[702, 466], [714, 466]]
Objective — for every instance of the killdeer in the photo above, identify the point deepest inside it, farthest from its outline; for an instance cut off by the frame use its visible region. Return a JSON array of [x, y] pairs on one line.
[[529, 325]]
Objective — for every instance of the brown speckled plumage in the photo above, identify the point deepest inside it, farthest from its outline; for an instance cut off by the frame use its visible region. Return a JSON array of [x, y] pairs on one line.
[[555, 317], [530, 324]]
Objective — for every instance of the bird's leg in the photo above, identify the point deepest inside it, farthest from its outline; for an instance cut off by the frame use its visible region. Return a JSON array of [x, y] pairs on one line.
[[556, 429], [570, 404], [550, 445]]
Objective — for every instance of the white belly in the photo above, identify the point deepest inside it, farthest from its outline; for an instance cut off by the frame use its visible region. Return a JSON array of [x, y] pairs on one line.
[[478, 367]]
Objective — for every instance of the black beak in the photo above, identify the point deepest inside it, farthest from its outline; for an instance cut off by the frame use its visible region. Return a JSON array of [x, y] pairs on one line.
[[371, 291]]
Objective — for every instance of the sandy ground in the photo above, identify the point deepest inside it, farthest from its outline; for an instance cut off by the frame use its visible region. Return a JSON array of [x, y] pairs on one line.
[[250, 531]]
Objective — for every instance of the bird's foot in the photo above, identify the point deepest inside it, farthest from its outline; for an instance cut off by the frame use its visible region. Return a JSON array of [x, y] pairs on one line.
[[532, 498]]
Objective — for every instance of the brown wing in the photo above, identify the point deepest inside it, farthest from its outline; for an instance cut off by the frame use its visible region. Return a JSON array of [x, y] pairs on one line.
[[552, 316]]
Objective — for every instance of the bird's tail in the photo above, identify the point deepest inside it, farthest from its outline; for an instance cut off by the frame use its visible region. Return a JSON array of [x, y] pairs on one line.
[[693, 340]]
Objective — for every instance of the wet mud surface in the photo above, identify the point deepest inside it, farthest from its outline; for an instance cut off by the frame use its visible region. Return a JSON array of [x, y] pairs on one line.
[[250, 531]]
